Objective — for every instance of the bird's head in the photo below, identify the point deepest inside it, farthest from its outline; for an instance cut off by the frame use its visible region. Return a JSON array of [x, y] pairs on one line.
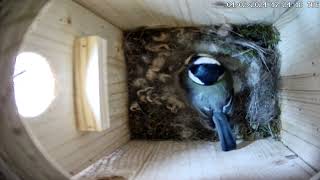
[[205, 70]]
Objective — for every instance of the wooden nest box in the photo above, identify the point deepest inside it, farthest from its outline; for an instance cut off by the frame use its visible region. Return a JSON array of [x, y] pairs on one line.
[[83, 119]]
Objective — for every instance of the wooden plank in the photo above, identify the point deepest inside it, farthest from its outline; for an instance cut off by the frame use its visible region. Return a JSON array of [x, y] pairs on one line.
[[302, 120], [303, 131], [125, 162], [68, 147], [90, 110], [118, 75], [299, 95], [307, 97], [263, 159], [19, 151], [40, 43], [70, 140], [308, 152], [52, 35], [172, 162], [305, 113], [94, 153], [51, 140], [128, 14], [113, 12], [297, 57], [70, 19], [303, 82], [85, 118]]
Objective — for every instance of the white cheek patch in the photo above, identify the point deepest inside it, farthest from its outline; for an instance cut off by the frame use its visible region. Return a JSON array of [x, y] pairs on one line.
[[207, 60], [194, 78]]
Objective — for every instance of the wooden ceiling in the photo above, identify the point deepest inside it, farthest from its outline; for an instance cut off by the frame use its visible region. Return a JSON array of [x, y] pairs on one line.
[[128, 14]]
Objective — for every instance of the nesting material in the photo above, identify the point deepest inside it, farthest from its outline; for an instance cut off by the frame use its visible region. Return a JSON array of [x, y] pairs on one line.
[[158, 108]]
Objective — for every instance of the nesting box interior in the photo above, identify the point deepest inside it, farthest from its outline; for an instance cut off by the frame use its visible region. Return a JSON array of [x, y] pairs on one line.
[[52, 128]]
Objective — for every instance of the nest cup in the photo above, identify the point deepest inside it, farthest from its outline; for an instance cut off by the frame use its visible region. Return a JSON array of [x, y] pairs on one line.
[[156, 60]]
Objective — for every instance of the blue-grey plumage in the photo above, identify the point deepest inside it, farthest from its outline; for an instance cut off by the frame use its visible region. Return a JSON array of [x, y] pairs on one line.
[[209, 89]]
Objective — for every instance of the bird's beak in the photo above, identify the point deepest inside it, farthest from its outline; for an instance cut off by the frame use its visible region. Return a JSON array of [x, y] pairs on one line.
[[222, 76], [187, 61]]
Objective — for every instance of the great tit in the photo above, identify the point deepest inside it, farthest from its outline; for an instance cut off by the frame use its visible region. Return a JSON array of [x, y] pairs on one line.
[[209, 89]]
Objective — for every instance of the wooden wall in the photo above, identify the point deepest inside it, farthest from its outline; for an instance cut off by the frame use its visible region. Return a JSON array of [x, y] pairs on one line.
[[300, 83], [128, 14], [20, 155], [52, 36]]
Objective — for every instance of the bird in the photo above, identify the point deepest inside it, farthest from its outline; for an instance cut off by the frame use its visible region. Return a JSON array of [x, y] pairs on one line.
[[209, 89]]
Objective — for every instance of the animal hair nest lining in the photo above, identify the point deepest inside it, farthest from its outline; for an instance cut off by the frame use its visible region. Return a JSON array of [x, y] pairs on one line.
[[157, 106]]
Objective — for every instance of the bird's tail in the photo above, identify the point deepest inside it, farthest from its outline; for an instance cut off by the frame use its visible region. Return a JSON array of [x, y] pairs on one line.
[[226, 137]]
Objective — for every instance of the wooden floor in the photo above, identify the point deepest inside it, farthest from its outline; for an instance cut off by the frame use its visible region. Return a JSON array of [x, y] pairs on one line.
[[168, 160]]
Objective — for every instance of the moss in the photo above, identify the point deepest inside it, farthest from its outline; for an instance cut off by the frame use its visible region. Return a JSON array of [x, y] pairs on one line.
[[264, 35]]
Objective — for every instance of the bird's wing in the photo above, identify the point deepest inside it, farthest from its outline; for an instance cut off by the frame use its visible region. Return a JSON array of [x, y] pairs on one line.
[[203, 112], [228, 107], [201, 105]]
